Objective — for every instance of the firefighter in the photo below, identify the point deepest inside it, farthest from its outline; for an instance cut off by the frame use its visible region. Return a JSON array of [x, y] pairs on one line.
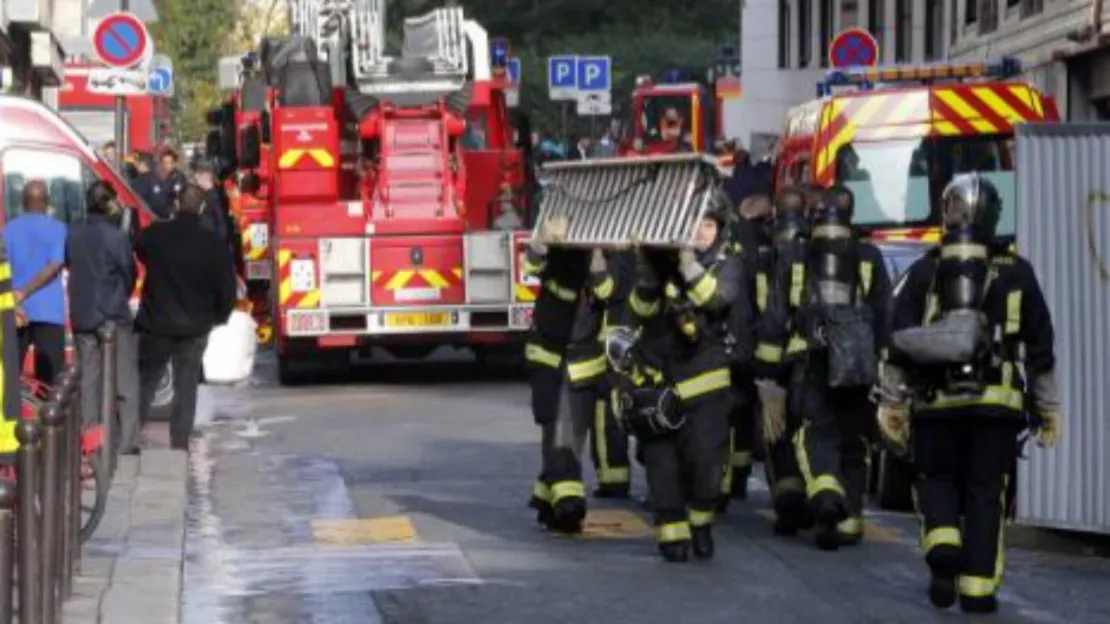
[[971, 352], [670, 126], [787, 238], [684, 303], [562, 274], [829, 313]]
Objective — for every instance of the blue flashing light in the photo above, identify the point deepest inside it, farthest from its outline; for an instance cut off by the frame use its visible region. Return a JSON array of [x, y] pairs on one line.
[[867, 77], [676, 76]]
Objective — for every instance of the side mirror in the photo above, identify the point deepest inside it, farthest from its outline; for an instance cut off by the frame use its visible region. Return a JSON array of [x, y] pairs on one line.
[[250, 147]]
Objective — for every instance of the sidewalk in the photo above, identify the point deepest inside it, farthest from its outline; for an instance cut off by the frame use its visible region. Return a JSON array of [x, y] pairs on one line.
[[130, 571]]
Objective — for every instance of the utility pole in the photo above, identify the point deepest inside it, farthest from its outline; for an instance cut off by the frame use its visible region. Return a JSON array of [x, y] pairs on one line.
[[121, 113]]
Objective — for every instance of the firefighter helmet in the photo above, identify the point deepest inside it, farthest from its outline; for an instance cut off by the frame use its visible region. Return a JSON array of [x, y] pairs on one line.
[[971, 202]]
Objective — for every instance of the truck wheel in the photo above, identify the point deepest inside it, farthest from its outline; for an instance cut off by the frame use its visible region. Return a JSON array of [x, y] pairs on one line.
[[288, 372], [163, 396], [895, 483]]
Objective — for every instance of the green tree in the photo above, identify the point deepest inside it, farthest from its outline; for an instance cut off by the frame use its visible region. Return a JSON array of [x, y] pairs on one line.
[[193, 33]]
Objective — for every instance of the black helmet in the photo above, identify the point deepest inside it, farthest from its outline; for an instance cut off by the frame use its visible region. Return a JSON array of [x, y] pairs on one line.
[[831, 216], [99, 197], [971, 202], [720, 207], [790, 213]]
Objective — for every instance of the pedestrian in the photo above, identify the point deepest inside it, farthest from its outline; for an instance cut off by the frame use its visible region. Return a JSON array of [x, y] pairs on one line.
[[102, 277], [216, 217], [189, 289], [163, 187], [109, 153], [36, 246]]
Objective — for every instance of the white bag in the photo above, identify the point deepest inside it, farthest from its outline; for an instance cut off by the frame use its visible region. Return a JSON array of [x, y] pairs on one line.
[[229, 356]]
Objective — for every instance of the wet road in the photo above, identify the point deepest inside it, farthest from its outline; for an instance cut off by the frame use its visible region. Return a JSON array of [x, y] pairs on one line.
[[398, 497]]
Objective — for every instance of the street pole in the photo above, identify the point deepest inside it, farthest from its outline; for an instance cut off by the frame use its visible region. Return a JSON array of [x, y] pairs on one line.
[[121, 112]]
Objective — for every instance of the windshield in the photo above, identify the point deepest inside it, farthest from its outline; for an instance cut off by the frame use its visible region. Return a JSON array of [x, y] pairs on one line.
[[657, 108], [898, 183]]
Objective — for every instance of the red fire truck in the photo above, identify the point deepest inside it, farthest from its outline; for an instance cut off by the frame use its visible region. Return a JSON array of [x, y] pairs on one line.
[[148, 116], [697, 104], [392, 185]]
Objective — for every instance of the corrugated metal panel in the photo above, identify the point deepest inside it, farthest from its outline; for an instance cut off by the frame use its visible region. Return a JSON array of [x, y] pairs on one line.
[[1063, 228]]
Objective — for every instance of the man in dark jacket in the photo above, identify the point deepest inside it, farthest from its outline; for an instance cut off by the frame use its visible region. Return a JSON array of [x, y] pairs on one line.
[[160, 189], [189, 289], [215, 216], [745, 181], [101, 279]]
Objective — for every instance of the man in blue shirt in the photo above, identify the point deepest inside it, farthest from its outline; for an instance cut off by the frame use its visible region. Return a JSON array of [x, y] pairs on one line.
[[36, 245]]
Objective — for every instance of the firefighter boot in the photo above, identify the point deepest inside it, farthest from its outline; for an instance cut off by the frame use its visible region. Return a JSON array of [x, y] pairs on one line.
[[944, 567], [850, 530], [702, 541], [984, 605], [675, 552], [828, 511], [541, 501], [791, 514], [568, 509], [740, 477]]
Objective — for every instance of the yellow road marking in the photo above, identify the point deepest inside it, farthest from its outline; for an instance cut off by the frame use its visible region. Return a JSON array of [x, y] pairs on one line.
[[613, 524], [348, 531]]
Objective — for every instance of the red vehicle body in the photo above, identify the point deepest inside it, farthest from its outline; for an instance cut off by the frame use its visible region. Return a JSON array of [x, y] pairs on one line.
[[148, 116], [698, 104]]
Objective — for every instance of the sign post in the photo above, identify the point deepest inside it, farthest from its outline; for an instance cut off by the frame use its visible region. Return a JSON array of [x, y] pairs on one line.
[[594, 83], [122, 43], [853, 47]]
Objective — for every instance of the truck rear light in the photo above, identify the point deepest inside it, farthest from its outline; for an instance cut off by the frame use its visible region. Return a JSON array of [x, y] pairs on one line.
[[306, 322]]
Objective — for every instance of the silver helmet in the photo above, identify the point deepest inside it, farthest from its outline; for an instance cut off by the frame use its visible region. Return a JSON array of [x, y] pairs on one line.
[[971, 202]]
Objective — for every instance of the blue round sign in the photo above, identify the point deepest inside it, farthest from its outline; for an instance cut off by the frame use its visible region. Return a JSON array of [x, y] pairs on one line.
[[853, 47], [121, 40]]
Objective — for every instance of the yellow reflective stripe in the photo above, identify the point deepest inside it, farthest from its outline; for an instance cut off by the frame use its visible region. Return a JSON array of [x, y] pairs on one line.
[[567, 489], [931, 308], [941, 536], [760, 292], [741, 459], [533, 269], [700, 518], [769, 353], [322, 157], [866, 276], [702, 290], [560, 291], [606, 474], [673, 532], [788, 484], [670, 291], [641, 307], [704, 383], [850, 526], [8, 443], [604, 289], [588, 369], [538, 355], [541, 491], [1013, 312], [824, 483], [290, 158], [976, 586], [5, 270], [7, 301], [797, 283], [689, 329], [994, 396], [797, 344]]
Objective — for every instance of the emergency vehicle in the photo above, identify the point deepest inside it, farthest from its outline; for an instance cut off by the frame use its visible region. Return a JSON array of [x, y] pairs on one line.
[[896, 136], [698, 103], [94, 115], [393, 187]]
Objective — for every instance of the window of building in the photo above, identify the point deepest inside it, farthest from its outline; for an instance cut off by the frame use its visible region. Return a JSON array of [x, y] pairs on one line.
[[784, 34], [1031, 7], [954, 22], [826, 30], [63, 174], [876, 19], [805, 34], [903, 31], [971, 11], [1012, 3], [849, 14], [934, 30], [988, 16]]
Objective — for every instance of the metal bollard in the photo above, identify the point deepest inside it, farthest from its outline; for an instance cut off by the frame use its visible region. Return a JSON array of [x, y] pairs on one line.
[[7, 547], [66, 385], [51, 488], [108, 386], [29, 436], [73, 468]]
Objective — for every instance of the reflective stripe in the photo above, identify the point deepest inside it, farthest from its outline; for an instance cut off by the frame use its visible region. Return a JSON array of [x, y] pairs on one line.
[[541, 491], [533, 269], [741, 459], [604, 288], [5, 270], [931, 308], [768, 353], [1013, 312], [588, 369], [850, 526], [824, 483], [797, 344], [788, 484], [562, 292], [567, 489], [866, 276], [702, 290], [797, 283], [689, 329], [761, 292], [641, 307], [539, 355], [976, 586], [711, 381], [673, 532], [7, 301], [995, 396], [941, 536], [670, 291], [700, 518]]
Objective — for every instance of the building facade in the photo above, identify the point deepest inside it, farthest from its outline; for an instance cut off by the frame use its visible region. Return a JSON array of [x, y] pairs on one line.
[[1064, 45], [30, 56]]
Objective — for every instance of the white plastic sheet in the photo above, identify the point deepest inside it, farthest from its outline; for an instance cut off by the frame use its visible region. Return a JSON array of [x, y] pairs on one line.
[[229, 357]]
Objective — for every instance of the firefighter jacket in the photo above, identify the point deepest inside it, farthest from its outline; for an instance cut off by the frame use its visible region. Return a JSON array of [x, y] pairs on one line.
[[562, 274], [780, 335], [686, 321], [1018, 320], [602, 307]]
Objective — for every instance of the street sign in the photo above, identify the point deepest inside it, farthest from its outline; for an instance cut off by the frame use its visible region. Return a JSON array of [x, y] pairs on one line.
[[595, 103], [115, 81], [499, 52], [594, 73], [562, 74], [121, 41], [160, 80], [514, 70], [853, 47]]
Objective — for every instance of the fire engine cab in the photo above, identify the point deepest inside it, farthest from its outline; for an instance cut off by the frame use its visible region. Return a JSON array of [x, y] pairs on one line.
[[680, 113]]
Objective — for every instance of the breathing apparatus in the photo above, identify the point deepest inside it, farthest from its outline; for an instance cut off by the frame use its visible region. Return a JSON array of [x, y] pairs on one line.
[[644, 407]]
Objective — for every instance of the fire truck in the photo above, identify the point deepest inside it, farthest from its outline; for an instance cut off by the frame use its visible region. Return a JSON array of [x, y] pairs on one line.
[[392, 186], [698, 103], [148, 116], [896, 136]]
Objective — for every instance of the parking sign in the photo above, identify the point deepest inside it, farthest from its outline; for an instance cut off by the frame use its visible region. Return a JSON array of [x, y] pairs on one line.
[[562, 77], [594, 73]]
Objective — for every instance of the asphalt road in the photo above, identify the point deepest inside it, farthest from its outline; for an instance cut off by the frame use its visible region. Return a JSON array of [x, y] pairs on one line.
[[396, 495]]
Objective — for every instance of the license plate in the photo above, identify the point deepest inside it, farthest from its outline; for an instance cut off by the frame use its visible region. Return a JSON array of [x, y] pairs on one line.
[[417, 319], [521, 316], [258, 270], [307, 323]]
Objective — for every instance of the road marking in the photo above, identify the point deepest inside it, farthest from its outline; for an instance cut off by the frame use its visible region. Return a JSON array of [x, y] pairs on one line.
[[612, 524], [349, 531]]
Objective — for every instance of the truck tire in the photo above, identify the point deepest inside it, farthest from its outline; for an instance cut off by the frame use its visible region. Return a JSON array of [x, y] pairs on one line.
[[288, 372], [895, 483], [162, 405]]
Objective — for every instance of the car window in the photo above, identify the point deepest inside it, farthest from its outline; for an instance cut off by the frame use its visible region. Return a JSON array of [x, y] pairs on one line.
[[61, 172]]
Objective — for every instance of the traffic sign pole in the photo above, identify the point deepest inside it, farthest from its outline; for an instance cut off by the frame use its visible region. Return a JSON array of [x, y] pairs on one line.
[[122, 149]]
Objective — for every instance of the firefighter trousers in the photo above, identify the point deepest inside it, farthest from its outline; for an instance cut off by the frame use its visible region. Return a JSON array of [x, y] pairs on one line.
[[684, 469], [965, 463], [608, 442], [741, 439], [546, 381], [831, 448]]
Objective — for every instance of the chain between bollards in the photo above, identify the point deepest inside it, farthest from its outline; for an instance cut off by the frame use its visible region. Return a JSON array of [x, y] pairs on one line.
[[29, 436]]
